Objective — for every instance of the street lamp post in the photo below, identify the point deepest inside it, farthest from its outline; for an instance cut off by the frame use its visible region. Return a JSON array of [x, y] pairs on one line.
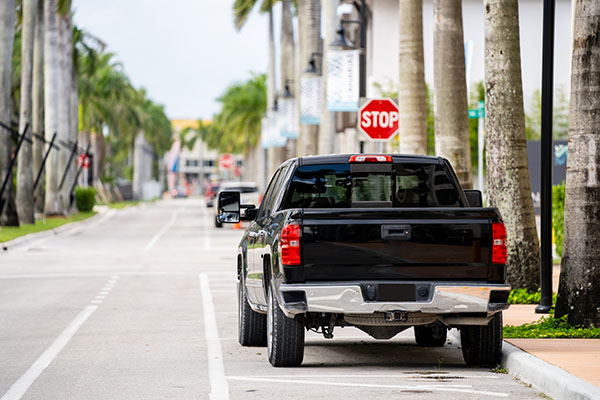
[[547, 158]]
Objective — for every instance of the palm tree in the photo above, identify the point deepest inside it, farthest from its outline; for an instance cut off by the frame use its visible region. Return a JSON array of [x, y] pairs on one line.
[[65, 57], [51, 112], [9, 215], [309, 26], [288, 63], [507, 171], [411, 82], [327, 125], [37, 116], [579, 289], [451, 120], [25, 173]]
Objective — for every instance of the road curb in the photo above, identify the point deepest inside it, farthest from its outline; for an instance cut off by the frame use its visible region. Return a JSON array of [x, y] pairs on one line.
[[26, 239], [552, 381]]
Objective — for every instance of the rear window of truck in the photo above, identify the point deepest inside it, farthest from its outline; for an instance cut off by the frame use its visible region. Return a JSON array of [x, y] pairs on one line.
[[401, 185]]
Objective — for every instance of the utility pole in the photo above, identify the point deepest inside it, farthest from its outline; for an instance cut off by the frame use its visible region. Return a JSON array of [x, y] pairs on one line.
[[547, 157]]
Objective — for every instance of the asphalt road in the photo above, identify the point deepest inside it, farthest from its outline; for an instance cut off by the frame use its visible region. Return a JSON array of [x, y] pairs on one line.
[[141, 304]]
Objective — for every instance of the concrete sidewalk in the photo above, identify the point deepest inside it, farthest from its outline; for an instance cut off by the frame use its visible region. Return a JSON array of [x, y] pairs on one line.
[[578, 357]]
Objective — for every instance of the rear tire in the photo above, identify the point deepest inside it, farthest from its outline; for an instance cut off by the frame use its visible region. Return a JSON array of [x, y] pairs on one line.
[[217, 223], [431, 336], [482, 345], [285, 336], [252, 326]]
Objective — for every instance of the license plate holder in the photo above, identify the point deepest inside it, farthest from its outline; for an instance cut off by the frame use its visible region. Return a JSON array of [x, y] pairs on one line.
[[396, 292]]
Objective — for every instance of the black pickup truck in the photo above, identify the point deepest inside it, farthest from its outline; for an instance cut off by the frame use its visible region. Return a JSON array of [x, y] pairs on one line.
[[379, 242]]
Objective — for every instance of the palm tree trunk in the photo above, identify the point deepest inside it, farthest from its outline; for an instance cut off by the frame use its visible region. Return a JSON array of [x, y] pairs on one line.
[[411, 82], [25, 173], [579, 289], [288, 63], [9, 215], [507, 172], [272, 156], [451, 108], [327, 126], [309, 23], [64, 105], [51, 93], [38, 104]]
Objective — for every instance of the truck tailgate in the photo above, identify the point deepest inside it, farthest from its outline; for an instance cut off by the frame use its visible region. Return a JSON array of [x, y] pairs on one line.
[[398, 244]]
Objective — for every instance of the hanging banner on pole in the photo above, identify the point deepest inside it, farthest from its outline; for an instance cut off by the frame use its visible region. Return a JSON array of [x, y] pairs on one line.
[[289, 114], [310, 100], [342, 80], [277, 140]]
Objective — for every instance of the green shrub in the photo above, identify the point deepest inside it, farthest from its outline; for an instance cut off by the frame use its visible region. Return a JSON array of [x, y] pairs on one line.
[[85, 198], [558, 215], [522, 296]]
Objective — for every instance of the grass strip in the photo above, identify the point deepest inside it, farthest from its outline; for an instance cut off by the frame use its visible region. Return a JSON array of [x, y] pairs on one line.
[[122, 204], [9, 232], [550, 328]]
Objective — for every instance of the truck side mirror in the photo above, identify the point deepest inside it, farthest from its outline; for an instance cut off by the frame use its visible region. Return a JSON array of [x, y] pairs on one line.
[[229, 207], [474, 198]]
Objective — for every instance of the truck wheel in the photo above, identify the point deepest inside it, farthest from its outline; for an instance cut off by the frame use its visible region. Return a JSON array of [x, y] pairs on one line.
[[431, 336], [217, 223], [482, 345], [252, 326], [285, 336]]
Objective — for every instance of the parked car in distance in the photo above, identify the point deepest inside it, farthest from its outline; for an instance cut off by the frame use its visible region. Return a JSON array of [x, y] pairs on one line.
[[378, 242], [211, 193], [249, 194]]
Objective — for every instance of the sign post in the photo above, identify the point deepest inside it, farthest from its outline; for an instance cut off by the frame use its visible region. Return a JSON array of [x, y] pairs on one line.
[[378, 119]]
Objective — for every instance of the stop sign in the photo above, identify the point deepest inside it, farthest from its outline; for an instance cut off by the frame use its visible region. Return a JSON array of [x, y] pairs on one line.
[[226, 161], [378, 119]]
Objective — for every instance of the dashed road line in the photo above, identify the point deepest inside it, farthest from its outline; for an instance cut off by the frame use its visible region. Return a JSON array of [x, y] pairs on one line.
[[20, 387], [161, 232], [219, 388]]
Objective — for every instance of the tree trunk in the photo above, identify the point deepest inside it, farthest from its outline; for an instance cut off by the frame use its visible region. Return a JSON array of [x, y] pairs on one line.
[[25, 173], [451, 108], [51, 92], [38, 105], [272, 151], [64, 107], [411, 82], [327, 126], [309, 22], [7, 35], [507, 173], [288, 64], [579, 290]]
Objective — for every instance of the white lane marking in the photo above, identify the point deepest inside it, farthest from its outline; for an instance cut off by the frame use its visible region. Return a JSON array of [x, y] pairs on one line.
[[103, 274], [92, 225], [100, 297], [104, 293], [161, 232], [219, 388], [20, 387], [115, 277], [432, 388], [96, 301], [205, 232], [432, 377]]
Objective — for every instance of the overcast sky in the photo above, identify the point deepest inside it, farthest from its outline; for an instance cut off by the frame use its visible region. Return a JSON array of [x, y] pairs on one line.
[[184, 52]]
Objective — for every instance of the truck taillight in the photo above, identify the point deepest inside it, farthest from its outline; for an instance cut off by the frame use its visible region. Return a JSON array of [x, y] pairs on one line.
[[498, 243], [290, 245], [370, 158]]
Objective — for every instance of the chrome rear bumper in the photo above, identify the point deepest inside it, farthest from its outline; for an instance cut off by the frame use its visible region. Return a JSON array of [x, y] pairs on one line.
[[347, 298]]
